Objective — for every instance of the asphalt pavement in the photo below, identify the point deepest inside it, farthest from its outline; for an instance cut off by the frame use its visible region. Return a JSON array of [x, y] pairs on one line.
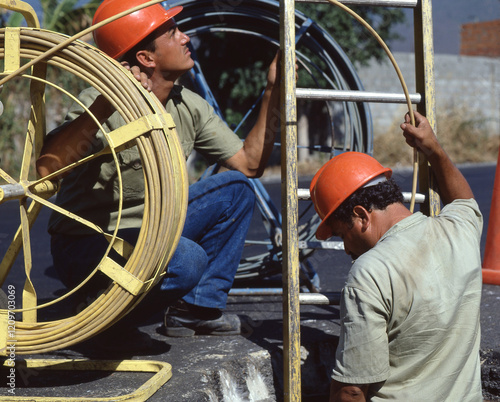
[[235, 368]]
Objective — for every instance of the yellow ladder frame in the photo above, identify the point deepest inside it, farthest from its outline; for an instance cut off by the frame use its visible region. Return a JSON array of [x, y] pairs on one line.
[[424, 62]]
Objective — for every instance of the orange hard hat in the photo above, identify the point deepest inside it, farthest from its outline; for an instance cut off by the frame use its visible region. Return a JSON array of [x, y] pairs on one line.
[[121, 35], [338, 179]]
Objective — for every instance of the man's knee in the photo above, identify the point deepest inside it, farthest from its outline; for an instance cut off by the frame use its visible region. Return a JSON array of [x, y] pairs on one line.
[[186, 266], [243, 189]]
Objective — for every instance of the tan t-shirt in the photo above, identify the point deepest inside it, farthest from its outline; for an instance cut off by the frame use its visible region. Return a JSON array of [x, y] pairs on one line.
[[92, 192], [410, 310]]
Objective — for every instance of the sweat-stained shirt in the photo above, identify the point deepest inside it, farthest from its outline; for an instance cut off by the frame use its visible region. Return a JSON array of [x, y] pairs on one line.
[[410, 310], [91, 190]]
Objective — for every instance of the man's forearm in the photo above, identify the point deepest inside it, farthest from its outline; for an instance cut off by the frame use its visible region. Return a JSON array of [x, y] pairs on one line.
[[260, 141], [452, 184], [251, 160], [341, 392], [74, 140]]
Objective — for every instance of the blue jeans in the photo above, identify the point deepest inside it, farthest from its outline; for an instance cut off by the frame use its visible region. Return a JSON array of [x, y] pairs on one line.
[[204, 264]]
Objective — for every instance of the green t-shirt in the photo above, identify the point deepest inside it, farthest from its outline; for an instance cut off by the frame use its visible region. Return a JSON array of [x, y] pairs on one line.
[[91, 191], [410, 310]]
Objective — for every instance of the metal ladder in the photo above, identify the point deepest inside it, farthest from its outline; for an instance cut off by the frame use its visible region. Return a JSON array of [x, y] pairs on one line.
[[425, 104]]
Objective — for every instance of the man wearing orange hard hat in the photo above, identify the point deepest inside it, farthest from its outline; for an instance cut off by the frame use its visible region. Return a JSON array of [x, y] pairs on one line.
[[202, 270], [410, 306]]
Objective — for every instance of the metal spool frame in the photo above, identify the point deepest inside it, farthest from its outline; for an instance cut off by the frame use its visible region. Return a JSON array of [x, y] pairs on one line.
[[152, 131]]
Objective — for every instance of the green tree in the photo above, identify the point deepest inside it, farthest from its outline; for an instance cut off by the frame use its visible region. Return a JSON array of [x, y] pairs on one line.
[[235, 67], [359, 45], [65, 16]]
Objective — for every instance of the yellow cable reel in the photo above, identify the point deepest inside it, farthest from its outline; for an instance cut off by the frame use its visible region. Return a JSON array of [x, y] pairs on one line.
[[150, 129]]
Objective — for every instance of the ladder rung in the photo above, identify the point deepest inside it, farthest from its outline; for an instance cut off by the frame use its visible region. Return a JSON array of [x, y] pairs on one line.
[[419, 198], [304, 194], [323, 245], [382, 3], [331, 298], [355, 96]]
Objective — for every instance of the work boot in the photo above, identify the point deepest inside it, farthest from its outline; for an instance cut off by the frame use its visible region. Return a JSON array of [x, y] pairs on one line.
[[183, 320]]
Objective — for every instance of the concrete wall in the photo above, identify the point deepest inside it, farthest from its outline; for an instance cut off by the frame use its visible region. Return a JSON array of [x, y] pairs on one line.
[[468, 84]]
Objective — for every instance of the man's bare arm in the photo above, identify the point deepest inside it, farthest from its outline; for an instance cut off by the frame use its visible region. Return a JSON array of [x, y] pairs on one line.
[[252, 159], [72, 141], [341, 392], [452, 184]]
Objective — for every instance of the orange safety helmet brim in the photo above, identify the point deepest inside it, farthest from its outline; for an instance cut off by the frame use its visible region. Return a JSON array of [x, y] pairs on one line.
[[118, 37], [338, 179]]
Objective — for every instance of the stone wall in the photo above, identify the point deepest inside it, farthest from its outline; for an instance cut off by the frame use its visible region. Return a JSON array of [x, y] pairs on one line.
[[470, 85]]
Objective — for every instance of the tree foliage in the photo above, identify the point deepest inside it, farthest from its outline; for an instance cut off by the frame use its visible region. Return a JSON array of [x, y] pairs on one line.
[[236, 67], [65, 16], [359, 45], [236, 71]]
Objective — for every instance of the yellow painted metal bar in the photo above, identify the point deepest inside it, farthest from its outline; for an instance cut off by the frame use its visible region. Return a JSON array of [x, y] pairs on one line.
[[68, 214], [14, 248], [129, 132], [291, 288], [36, 125], [25, 9], [7, 177], [121, 246], [29, 292], [12, 58], [32, 148], [424, 74], [162, 370], [124, 278]]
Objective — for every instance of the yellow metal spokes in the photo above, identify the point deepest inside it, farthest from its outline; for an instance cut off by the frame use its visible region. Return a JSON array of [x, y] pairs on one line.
[[4, 175], [14, 248], [36, 123], [29, 293]]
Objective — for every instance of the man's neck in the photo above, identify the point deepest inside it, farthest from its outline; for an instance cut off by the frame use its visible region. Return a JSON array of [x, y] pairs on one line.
[[162, 86], [162, 90], [387, 218]]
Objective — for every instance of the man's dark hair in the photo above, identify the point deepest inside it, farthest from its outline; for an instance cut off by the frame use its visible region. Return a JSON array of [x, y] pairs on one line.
[[379, 197], [148, 43]]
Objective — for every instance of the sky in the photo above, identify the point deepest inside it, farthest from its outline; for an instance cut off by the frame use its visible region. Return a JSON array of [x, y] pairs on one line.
[[448, 16]]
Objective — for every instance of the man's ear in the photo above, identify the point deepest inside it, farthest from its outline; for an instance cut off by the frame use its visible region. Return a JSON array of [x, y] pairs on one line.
[[364, 216], [145, 58]]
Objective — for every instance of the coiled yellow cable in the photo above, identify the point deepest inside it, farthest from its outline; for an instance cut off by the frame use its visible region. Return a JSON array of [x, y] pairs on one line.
[[165, 182]]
